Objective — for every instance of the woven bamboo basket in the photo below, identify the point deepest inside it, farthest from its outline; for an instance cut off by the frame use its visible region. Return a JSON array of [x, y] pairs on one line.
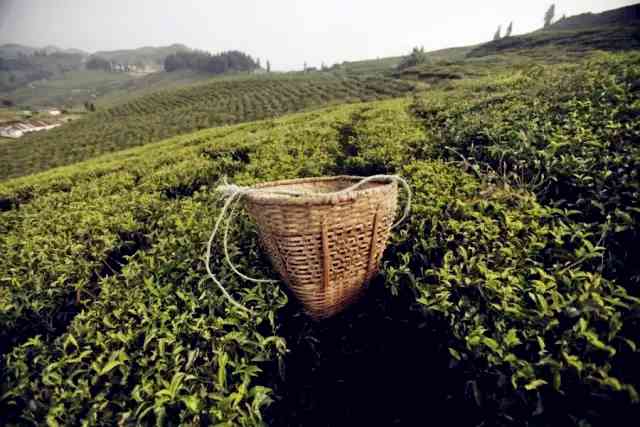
[[326, 247]]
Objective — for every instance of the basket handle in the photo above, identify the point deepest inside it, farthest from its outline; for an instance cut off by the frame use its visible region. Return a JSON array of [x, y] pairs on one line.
[[390, 178], [374, 240]]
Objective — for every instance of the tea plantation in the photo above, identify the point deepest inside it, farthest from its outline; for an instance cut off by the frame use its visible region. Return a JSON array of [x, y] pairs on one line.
[[164, 114], [510, 296]]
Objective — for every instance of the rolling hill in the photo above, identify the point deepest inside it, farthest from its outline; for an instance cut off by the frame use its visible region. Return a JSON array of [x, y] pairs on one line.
[[166, 113], [628, 16], [614, 30], [60, 78], [73, 88], [611, 30]]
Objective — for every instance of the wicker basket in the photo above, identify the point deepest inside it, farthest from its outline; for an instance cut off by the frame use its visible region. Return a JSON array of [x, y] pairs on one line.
[[326, 247]]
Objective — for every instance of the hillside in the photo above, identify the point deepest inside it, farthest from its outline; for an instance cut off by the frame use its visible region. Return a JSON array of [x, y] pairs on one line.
[[509, 297], [45, 80], [613, 30], [13, 50], [72, 89], [166, 113], [21, 70], [389, 64], [628, 16]]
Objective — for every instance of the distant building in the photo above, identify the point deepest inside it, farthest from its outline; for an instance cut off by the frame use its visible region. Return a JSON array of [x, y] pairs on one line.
[[10, 133], [18, 129], [54, 112]]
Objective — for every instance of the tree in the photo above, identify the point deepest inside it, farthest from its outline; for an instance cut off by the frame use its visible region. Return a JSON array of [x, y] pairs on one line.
[[497, 35], [204, 61], [7, 103], [305, 66], [258, 63], [98, 63], [416, 57], [268, 66], [509, 29], [548, 17]]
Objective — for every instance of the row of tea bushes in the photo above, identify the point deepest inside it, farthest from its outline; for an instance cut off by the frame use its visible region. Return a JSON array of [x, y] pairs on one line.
[[164, 114]]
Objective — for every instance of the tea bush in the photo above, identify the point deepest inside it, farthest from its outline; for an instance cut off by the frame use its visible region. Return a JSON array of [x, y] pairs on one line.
[[570, 134], [111, 319]]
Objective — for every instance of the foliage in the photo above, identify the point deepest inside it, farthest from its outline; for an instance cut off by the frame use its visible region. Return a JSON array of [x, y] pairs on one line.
[[526, 202], [416, 57], [563, 138], [549, 15], [23, 69], [98, 63], [220, 63]]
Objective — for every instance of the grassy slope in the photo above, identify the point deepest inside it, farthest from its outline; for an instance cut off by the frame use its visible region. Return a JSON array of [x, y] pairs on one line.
[[445, 72], [483, 290], [388, 65], [72, 89], [612, 30], [612, 38], [163, 114]]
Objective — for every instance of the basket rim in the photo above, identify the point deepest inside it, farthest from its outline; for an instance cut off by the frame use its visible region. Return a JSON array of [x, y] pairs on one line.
[[384, 186]]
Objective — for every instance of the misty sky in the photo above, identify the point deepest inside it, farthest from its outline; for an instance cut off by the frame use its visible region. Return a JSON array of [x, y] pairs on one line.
[[286, 32]]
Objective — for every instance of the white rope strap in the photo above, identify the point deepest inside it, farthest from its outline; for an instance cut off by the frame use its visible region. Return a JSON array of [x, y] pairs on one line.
[[234, 194]]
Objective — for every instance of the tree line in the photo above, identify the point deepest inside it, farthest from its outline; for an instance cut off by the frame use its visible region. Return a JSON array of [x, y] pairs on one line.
[[98, 63], [211, 63], [23, 69]]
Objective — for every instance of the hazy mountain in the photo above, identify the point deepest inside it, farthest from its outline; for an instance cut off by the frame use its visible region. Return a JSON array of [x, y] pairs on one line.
[[12, 50]]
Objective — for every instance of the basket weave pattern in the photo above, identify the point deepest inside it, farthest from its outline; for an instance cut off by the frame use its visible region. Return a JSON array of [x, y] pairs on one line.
[[326, 247]]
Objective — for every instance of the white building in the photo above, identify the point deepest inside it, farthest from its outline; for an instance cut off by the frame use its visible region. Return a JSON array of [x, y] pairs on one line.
[[10, 133], [17, 130]]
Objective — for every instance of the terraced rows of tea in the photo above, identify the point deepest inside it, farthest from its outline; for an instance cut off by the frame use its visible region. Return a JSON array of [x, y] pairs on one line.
[[509, 297], [165, 114]]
